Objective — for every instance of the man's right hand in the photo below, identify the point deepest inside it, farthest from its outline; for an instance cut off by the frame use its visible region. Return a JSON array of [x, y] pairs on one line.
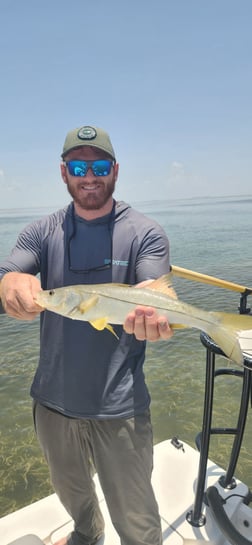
[[17, 292]]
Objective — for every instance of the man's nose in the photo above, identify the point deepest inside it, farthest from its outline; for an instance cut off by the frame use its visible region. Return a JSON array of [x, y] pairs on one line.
[[90, 175]]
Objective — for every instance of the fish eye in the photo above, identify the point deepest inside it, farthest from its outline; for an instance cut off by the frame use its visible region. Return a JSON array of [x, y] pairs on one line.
[[51, 292]]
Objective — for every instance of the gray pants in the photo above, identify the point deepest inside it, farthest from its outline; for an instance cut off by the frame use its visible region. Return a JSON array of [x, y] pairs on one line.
[[121, 452]]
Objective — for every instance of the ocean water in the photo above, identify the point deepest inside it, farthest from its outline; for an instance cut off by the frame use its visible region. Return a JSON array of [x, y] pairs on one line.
[[211, 236]]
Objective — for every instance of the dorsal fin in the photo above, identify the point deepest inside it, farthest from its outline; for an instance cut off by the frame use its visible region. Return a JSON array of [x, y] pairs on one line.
[[163, 284]]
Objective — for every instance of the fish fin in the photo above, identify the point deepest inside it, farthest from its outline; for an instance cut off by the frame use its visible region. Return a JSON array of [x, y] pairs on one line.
[[163, 284], [102, 323], [87, 305], [111, 329], [99, 323], [245, 340], [178, 326], [228, 331]]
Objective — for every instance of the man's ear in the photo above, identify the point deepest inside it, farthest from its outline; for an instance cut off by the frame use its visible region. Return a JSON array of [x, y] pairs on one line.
[[116, 170], [63, 172]]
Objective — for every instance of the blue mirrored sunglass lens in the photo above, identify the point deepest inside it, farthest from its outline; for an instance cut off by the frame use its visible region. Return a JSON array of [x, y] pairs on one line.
[[77, 168], [101, 167]]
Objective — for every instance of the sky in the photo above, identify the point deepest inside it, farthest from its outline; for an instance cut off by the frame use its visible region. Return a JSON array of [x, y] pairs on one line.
[[170, 80]]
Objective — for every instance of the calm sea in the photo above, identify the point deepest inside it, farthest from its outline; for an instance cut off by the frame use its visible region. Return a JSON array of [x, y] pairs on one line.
[[210, 235]]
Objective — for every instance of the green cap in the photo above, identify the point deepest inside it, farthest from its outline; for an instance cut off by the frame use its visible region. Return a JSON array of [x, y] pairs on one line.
[[88, 136]]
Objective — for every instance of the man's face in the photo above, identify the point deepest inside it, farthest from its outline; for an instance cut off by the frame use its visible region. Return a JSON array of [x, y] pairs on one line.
[[89, 192]]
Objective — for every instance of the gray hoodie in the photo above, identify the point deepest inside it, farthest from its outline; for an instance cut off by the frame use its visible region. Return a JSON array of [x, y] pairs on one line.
[[83, 372]]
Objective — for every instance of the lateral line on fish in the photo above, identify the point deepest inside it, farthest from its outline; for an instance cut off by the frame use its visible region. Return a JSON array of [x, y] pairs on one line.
[[158, 308]]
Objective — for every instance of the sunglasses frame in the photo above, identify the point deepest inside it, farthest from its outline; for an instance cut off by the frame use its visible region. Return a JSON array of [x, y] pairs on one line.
[[89, 164]]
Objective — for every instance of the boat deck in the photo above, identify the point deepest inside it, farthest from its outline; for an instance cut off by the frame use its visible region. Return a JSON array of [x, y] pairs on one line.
[[174, 480]]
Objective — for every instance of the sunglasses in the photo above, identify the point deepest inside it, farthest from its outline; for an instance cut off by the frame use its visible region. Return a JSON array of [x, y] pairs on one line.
[[100, 167]]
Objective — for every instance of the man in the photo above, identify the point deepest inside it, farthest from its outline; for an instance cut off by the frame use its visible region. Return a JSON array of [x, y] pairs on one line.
[[91, 403]]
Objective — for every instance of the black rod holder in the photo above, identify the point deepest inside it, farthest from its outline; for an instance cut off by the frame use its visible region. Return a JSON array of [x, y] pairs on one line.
[[227, 480], [195, 517]]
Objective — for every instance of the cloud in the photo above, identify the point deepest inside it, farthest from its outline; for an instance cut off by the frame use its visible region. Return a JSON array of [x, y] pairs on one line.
[[177, 170], [177, 166], [8, 184], [185, 182]]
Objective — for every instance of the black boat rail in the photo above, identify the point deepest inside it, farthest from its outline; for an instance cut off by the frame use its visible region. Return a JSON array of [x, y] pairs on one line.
[[212, 497]]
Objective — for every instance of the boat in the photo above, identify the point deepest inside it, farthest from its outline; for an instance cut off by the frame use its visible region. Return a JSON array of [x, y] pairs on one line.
[[174, 480], [199, 501]]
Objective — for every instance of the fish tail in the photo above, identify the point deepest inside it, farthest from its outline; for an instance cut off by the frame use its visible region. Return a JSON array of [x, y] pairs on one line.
[[226, 333], [228, 341]]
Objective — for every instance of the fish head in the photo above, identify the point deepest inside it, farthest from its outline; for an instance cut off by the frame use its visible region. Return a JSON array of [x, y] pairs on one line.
[[61, 300]]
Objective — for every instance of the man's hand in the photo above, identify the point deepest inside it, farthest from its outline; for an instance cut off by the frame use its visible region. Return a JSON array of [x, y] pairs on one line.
[[147, 325], [145, 322], [17, 292]]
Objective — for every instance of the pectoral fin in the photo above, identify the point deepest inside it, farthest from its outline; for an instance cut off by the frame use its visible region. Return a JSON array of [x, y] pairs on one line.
[[87, 305], [102, 323], [179, 326]]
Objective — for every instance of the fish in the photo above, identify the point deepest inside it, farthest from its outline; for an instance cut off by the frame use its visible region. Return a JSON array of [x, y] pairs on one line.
[[105, 305]]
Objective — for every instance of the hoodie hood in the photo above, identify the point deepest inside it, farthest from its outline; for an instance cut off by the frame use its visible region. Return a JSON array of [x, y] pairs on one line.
[[121, 210]]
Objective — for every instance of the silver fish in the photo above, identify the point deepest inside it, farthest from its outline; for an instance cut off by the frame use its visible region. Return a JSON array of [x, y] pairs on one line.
[[105, 304]]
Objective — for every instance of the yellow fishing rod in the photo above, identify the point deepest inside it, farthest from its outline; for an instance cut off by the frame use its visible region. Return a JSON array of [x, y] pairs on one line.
[[214, 281], [206, 279]]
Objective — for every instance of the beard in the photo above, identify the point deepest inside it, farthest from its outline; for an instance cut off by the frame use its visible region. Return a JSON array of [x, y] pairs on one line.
[[91, 199]]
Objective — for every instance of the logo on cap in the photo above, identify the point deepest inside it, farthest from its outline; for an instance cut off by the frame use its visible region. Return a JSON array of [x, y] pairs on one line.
[[87, 133]]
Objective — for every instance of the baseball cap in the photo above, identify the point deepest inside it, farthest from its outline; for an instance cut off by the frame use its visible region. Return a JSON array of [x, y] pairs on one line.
[[88, 136]]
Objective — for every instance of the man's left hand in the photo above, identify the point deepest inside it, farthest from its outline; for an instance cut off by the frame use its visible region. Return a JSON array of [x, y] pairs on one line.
[[147, 325]]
